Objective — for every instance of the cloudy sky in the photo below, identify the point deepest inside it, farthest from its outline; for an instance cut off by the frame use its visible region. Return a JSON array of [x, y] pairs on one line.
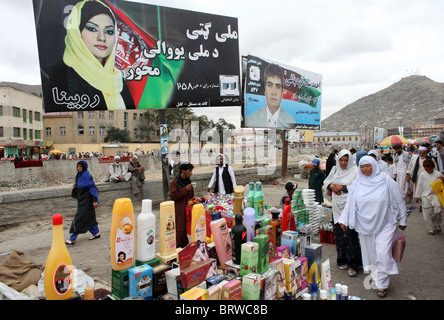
[[359, 47]]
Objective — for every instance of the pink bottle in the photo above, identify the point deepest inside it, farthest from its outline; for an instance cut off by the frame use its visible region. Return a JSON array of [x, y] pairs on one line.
[[221, 236]]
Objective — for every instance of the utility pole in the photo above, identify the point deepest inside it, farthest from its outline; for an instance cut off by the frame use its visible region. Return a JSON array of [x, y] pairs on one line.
[[284, 154]]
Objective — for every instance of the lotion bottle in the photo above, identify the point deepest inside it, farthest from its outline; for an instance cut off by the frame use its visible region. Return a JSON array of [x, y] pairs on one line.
[[222, 241], [250, 197], [198, 223], [146, 232], [122, 239], [167, 229], [59, 272]]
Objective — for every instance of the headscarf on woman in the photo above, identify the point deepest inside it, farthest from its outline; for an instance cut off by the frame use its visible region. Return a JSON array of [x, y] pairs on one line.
[[373, 201], [383, 166], [343, 177], [84, 180], [107, 78]]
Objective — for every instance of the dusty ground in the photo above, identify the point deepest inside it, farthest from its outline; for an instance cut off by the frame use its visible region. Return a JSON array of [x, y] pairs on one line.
[[421, 274]]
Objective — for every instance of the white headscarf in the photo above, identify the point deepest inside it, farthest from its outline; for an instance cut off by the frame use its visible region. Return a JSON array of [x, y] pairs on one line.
[[383, 166], [373, 201], [343, 177]]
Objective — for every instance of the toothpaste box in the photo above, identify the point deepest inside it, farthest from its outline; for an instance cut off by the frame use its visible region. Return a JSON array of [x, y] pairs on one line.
[[141, 281]]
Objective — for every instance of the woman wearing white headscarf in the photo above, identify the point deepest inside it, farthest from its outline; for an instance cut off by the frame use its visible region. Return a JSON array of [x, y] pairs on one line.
[[383, 166], [375, 204], [337, 183]]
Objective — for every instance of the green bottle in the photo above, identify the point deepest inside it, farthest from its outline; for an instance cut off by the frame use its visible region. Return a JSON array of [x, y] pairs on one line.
[[250, 197], [259, 201]]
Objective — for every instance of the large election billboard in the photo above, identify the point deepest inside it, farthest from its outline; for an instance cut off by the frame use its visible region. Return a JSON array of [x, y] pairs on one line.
[[116, 55], [280, 96]]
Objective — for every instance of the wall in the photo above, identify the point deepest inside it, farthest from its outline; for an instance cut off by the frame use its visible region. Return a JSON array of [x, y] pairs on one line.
[[42, 203]]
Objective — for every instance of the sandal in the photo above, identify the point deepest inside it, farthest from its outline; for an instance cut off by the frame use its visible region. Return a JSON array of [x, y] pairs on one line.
[[96, 236], [351, 272], [381, 293], [343, 267], [70, 242]]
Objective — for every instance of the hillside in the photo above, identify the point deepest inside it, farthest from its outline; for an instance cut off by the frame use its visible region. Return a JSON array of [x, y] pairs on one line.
[[33, 89], [411, 101]]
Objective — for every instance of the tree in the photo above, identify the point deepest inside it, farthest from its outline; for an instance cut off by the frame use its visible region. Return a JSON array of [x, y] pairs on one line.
[[117, 135]]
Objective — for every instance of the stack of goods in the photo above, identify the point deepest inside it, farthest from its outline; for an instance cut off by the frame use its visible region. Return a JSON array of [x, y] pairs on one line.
[[221, 203], [312, 207], [326, 233], [299, 209]]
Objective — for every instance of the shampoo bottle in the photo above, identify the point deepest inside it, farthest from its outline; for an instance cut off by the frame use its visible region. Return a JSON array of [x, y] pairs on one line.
[[122, 240], [167, 229], [250, 197], [238, 237], [58, 274], [276, 224], [146, 233], [249, 223], [198, 223], [259, 201], [222, 241]]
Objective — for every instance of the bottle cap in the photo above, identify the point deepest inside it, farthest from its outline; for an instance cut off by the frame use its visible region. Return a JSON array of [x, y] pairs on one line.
[[239, 218], [306, 296], [147, 205], [275, 213], [314, 287], [216, 216], [248, 212], [323, 294], [338, 287], [57, 219], [344, 290]]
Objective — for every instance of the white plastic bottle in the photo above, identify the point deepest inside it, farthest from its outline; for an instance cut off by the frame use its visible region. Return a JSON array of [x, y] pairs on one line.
[[146, 232]]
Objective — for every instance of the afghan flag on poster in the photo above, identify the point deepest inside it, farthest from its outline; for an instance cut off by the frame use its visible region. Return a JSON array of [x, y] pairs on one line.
[[151, 81]]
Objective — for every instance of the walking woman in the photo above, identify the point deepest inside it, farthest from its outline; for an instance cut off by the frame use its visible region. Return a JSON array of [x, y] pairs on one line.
[[337, 183], [375, 205], [87, 197]]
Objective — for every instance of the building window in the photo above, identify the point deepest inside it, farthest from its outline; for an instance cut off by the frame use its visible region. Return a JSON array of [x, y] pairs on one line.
[[30, 134], [111, 115], [101, 114], [1, 131], [25, 134], [80, 114], [24, 115], [80, 130], [37, 134], [30, 116], [141, 117], [16, 112], [1, 111], [91, 114], [136, 131], [102, 131], [92, 130], [62, 131], [125, 120], [16, 132], [37, 116], [48, 131], [134, 116]]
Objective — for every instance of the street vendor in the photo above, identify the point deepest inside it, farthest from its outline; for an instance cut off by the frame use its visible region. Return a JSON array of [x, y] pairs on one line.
[[181, 191], [223, 178]]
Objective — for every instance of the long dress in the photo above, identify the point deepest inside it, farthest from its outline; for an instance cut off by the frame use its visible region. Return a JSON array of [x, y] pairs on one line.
[[347, 242], [375, 205]]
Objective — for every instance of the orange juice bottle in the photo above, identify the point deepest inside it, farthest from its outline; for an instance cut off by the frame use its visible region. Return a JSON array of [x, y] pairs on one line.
[[59, 272], [122, 240]]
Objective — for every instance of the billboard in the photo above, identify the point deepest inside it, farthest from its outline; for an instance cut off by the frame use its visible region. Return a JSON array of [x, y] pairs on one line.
[[280, 96], [117, 55]]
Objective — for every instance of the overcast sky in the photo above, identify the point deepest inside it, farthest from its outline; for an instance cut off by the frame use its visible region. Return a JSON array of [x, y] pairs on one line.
[[359, 47]]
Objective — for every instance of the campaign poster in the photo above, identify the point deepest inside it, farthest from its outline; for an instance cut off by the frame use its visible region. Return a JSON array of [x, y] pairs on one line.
[[118, 55], [281, 97]]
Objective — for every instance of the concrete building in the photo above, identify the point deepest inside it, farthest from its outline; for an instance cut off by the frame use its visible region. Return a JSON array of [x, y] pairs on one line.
[[21, 122], [337, 137]]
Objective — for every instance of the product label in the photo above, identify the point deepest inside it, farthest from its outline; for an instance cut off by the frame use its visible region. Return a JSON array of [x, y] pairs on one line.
[[170, 233], [225, 235], [62, 279], [200, 229], [260, 207], [125, 242], [149, 234]]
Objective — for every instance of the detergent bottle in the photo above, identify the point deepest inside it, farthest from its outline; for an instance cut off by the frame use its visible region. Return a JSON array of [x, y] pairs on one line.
[[222, 241], [59, 272], [122, 239], [198, 223], [259, 201], [146, 233], [250, 197]]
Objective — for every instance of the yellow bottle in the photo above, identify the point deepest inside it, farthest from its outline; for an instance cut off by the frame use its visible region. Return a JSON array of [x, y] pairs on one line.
[[167, 229], [198, 223], [122, 240], [59, 272]]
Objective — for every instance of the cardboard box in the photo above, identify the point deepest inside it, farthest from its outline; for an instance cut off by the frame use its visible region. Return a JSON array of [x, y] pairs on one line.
[[232, 290], [290, 275], [281, 283], [197, 273], [159, 279], [290, 239], [268, 230], [251, 286], [304, 272], [195, 293], [282, 251], [268, 288], [214, 292], [249, 258], [174, 284], [141, 281], [215, 280], [119, 283], [313, 253], [263, 257]]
